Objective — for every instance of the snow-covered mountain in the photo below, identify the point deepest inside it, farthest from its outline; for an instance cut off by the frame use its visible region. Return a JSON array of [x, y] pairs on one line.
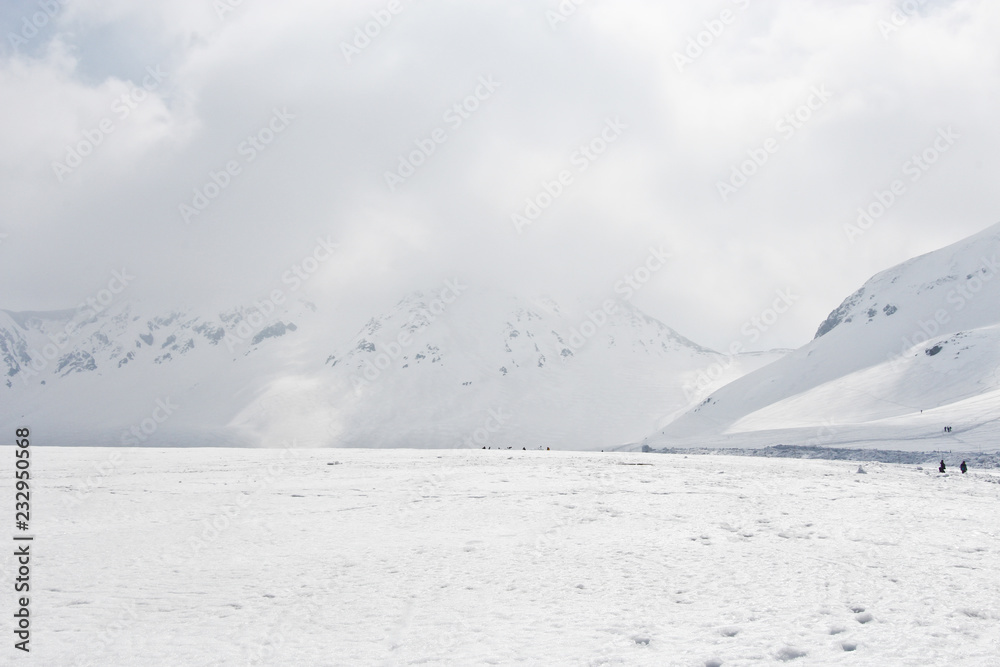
[[127, 374], [452, 367], [473, 369], [916, 349]]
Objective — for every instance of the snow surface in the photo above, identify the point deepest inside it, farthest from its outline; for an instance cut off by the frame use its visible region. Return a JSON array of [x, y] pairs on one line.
[[406, 557], [916, 349]]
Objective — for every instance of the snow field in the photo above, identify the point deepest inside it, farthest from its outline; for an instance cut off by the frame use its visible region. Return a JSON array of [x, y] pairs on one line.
[[405, 557]]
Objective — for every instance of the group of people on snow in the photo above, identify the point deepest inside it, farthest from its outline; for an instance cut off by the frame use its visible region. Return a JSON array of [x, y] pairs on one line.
[[962, 467]]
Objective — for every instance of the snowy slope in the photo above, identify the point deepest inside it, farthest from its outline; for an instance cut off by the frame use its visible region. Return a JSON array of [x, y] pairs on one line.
[[918, 344], [480, 369], [269, 557]]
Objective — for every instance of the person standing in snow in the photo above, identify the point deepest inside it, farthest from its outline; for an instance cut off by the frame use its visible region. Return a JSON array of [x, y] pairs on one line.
[[941, 468], [963, 467]]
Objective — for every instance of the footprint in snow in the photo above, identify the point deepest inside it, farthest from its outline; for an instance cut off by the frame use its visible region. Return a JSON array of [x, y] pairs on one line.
[[790, 653], [973, 613]]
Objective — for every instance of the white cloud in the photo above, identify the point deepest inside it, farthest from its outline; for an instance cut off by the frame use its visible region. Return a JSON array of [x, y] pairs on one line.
[[325, 174]]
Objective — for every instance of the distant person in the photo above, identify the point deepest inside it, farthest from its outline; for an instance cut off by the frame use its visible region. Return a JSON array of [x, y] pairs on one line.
[[941, 467], [963, 467]]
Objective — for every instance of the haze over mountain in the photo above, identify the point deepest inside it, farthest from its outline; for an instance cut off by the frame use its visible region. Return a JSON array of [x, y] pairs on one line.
[[915, 349], [451, 367]]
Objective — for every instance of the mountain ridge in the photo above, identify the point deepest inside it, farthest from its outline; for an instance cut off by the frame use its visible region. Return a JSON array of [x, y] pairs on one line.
[[424, 373]]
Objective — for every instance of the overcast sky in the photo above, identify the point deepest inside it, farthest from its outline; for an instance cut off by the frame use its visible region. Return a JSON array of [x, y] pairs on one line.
[[670, 97]]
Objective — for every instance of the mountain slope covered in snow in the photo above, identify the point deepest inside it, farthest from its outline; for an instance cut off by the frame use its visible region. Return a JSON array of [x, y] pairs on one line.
[[479, 369], [131, 375], [915, 349], [456, 367]]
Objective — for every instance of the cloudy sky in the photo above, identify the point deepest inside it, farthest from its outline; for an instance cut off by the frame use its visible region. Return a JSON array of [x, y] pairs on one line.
[[205, 146]]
